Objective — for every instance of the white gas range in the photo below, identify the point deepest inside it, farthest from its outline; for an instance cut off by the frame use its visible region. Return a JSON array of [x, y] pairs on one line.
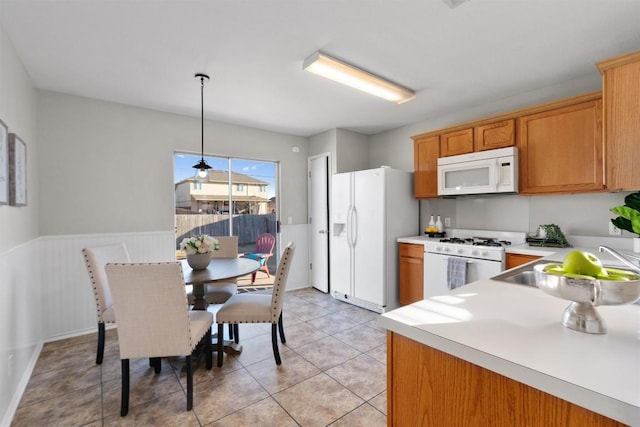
[[465, 256]]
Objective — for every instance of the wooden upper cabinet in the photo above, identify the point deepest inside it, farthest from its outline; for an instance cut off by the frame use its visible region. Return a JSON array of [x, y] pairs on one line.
[[561, 150], [456, 142], [495, 135], [621, 91], [426, 151]]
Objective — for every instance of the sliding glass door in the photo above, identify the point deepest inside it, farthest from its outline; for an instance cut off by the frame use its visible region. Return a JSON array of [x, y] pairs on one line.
[[238, 199]]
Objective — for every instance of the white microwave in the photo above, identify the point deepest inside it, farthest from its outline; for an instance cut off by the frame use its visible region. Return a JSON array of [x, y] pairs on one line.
[[483, 172]]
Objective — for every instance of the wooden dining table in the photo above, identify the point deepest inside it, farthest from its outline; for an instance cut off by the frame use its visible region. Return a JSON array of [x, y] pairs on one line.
[[219, 269]]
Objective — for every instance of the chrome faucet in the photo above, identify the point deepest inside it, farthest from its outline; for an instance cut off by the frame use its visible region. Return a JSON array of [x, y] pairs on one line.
[[623, 258]]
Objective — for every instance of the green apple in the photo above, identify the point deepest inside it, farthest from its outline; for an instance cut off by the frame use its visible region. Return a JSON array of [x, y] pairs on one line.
[[556, 269], [579, 276], [582, 263], [628, 274], [553, 267], [614, 277]]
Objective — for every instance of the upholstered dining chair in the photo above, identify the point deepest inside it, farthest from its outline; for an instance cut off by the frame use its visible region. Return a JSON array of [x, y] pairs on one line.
[[262, 252], [252, 307], [217, 293], [154, 321], [95, 259]]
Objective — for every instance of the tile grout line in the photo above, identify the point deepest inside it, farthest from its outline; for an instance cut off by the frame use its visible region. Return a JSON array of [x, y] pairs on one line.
[[350, 313]]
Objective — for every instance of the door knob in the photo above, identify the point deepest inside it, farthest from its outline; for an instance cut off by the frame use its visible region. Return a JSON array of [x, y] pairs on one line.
[[321, 231]]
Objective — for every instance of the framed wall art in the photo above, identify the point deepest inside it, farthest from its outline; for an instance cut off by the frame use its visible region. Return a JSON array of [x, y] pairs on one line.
[[4, 164], [17, 171]]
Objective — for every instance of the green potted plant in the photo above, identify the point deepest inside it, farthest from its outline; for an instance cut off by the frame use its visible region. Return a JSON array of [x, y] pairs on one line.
[[629, 217]]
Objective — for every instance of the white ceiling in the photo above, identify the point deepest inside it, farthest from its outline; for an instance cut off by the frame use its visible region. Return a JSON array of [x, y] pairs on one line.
[[145, 53]]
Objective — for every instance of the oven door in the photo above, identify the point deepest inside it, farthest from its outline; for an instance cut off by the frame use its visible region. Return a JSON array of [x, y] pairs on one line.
[[435, 272]]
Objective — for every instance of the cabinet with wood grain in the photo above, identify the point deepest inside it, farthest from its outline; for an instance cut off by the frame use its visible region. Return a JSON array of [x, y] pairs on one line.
[[428, 387], [410, 272], [426, 151], [514, 260], [621, 94], [494, 135], [561, 150]]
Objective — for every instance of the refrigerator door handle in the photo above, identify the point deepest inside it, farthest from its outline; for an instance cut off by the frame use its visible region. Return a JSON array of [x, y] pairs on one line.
[[354, 227], [348, 231]]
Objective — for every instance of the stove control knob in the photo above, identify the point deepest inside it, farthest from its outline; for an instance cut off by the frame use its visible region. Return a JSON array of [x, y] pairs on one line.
[[446, 250], [460, 250], [438, 248], [474, 253], [485, 253]]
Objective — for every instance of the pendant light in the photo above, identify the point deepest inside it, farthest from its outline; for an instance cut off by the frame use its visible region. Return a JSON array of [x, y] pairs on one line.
[[202, 173]]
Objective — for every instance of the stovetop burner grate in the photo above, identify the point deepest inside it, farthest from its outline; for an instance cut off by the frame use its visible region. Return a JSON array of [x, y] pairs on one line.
[[476, 241]]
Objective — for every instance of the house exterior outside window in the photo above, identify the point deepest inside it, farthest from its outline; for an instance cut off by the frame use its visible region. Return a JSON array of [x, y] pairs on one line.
[[248, 196]]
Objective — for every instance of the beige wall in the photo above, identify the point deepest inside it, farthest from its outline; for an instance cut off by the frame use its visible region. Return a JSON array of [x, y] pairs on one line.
[[18, 101], [349, 151], [352, 151], [20, 292], [127, 153], [322, 143]]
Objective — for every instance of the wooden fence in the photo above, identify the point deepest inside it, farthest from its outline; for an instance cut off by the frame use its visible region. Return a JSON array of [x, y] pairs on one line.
[[246, 227]]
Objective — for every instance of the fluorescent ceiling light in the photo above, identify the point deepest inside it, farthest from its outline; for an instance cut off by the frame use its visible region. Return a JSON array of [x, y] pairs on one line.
[[454, 3], [341, 72]]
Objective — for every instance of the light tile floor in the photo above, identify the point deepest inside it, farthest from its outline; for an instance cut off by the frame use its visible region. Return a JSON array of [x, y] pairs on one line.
[[333, 372]]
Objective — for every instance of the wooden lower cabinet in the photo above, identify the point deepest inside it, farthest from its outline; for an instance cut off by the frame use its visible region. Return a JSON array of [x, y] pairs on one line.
[[427, 387], [410, 273], [514, 260]]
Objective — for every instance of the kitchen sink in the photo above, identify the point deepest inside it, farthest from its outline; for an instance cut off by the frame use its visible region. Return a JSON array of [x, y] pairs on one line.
[[523, 278], [521, 275]]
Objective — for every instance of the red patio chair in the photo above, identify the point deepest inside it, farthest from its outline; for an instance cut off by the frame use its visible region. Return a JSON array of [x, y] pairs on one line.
[[263, 251]]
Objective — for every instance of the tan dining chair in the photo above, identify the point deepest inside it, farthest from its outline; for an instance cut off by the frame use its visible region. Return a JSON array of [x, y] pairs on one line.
[[218, 293], [252, 307], [154, 321], [95, 258]]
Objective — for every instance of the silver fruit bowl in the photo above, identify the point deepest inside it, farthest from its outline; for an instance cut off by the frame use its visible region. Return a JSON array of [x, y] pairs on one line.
[[586, 294]]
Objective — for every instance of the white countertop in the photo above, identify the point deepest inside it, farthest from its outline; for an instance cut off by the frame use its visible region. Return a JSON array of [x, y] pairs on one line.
[[516, 331], [418, 240], [583, 243]]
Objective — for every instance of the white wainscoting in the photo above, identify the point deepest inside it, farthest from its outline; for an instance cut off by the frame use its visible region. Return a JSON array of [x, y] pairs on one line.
[[21, 317], [299, 273], [67, 295], [45, 295]]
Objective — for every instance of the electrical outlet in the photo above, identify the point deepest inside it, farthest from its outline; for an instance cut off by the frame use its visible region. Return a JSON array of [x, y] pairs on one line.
[[447, 222], [613, 230]]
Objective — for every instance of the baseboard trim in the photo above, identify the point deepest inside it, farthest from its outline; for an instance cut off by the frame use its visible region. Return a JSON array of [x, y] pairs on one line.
[[22, 386]]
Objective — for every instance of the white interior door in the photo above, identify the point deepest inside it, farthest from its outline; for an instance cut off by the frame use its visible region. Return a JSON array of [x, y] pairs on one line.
[[319, 222]]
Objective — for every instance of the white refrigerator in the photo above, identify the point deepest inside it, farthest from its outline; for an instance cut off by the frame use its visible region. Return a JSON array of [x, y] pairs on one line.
[[370, 209]]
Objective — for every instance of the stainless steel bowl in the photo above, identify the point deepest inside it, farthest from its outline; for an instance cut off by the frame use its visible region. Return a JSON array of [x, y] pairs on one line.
[[586, 294]]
